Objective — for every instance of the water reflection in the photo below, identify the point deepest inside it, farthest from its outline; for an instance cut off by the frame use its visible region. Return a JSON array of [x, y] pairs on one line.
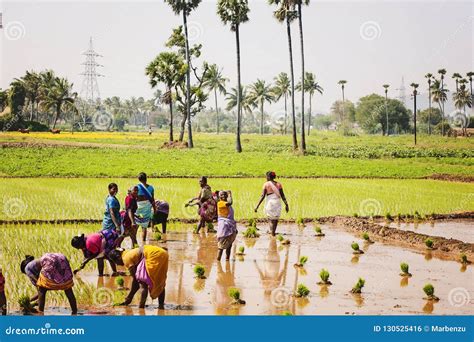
[[225, 279]]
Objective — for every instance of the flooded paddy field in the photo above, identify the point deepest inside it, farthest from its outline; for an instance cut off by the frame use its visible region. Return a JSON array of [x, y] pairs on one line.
[[266, 275]]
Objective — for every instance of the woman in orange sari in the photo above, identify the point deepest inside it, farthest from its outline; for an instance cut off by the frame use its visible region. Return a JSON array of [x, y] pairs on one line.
[[148, 266]]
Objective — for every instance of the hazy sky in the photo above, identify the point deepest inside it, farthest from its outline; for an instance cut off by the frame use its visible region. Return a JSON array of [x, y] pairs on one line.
[[368, 43]]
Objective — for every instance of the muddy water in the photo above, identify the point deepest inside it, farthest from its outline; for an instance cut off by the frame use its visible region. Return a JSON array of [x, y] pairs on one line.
[[266, 277], [462, 230]]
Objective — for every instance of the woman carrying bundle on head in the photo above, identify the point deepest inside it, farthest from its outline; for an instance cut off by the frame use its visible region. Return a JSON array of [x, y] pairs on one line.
[[51, 272], [226, 225], [148, 266], [273, 195]]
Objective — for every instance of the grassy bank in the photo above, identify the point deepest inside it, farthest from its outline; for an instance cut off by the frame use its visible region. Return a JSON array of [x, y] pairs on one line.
[[329, 154]]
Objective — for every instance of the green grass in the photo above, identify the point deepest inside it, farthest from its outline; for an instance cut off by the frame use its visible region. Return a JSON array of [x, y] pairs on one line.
[[118, 154], [61, 198]]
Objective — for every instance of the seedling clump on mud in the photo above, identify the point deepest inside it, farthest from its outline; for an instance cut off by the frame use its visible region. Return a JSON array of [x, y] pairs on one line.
[[283, 240], [241, 251], [210, 228], [251, 232], [405, 270], [356, 249], [120, 282], [199, 271], [235, 295], [318, 231], [302, 291], [300, 222], [302, 261], [252, 223], [429, 291], [356, 215], [157, 236], [429, 243], [388, 217], [464, 259], [25, 304], [324, 275], [366, 237], [358, 286]]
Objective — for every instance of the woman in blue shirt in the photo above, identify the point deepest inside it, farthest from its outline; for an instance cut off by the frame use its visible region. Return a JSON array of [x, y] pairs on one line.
[[112, 210]]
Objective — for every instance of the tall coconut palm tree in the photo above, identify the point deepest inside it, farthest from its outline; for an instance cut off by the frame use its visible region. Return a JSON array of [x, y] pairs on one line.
[[439, 95], [185, 7], [415, 93], [285, 12], [311, 87], [235, 13], [386, 86], [214, 81], [168, 68], [32, 84], [429, 77], [282, 89], [261, 92], [246, 103], [442, 73], [342, 83], [299, 4], [456, 77], [469, 75], [59, 97], [462, 99]]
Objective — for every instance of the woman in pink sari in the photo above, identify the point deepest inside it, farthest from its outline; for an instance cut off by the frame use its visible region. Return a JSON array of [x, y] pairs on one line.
[[273, 195]]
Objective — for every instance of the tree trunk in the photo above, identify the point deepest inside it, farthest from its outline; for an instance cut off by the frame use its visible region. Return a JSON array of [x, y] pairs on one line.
[[286, 116], [310, 112], [171, 114], [261, 118], [188, 82], [303, 131], [56, 117], [183, 128], [429, 112], [292, 75], [414, 115], [217, 111], [343, 105], [238, 144]]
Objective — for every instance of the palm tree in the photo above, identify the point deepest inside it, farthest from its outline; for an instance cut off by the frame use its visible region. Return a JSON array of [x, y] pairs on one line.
[[386, 86], [282, 88], [462, 98], [184, 7], [234, 13], [286, 13], [456, 76], [310, 86], [299, 4], [32, 84], [342, 83], [260, 92], [439, 95], [246, 103], [168, 68], [429, 76], [59, 97], [415, 92], [214, 81], [442, 72], [469, 76]]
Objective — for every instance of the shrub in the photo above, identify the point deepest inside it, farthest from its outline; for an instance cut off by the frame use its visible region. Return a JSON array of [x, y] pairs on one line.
[[302, 291], [199, 271], [358, 286], [251, 232]]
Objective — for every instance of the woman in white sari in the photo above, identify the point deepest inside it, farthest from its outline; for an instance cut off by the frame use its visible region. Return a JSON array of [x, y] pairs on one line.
[[273, 195]]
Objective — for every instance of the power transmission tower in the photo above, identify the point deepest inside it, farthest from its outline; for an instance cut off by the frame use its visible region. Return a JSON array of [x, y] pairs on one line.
[[90, 87], [402, 93]]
